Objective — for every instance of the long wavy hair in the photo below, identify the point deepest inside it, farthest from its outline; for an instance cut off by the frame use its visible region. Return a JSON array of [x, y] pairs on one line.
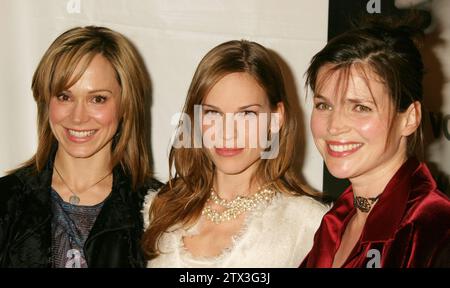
[[181, 200], [55, 73]]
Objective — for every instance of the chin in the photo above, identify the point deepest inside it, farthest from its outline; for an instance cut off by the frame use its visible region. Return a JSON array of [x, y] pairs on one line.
[[339, 174], [339, 171], [80, 152], [234, 165], [230, 170]]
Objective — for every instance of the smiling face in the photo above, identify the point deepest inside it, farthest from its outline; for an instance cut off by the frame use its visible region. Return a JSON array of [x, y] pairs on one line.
[[84, 117], [351, 126], [236, 100]]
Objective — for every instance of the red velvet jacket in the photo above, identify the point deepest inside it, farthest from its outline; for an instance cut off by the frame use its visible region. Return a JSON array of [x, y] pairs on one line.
[[408, 227]]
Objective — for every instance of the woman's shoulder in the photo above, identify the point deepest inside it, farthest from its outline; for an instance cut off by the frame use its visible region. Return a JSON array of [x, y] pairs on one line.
[[9, 180], [304, 204], [153, 184], [433, 207], [9, 185], [150, 185], [302, 209], [12, 186], [148, 200], [16, 180]]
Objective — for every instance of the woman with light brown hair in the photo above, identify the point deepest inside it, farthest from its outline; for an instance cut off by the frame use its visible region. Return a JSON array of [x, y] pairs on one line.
[[231, 203], [77, 201]]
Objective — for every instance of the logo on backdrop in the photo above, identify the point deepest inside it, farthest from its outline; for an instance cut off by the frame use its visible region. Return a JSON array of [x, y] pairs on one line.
[[73, 7], [440, 124]]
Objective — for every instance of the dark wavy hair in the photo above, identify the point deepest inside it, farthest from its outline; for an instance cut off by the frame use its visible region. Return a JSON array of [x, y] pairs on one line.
[[387, 46]]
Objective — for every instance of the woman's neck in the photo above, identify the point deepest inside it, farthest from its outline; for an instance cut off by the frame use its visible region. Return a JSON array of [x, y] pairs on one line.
[[230, 186], [78, 172], [372, 183]]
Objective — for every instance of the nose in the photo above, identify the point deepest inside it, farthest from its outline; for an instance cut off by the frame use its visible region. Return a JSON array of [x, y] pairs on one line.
[[80, 113], [228, 133], [337, 123], [229, 126]]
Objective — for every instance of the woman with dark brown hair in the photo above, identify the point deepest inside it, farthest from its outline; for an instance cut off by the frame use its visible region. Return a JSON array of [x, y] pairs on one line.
[[77, 202], [235, 199], [366, 122]]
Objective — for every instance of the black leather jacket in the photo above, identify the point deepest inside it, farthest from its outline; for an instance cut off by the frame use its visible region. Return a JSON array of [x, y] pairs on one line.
[[25, 222]]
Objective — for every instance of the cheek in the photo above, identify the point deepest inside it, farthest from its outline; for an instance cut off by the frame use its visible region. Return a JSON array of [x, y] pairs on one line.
[[318, 125], [254, 154], [105, 115], [57, 112], [370, 129], [211, 133], [212, 124], [209, 127]]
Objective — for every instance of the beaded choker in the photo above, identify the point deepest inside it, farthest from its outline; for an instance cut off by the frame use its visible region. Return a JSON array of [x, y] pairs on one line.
[[364, 204], [237, 206]]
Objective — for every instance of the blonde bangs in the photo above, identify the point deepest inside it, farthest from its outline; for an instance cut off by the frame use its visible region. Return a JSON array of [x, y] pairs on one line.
[[68, 69], [62, 66]]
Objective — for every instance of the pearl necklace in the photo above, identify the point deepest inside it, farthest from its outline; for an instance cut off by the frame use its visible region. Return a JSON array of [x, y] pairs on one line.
[[237, 206]]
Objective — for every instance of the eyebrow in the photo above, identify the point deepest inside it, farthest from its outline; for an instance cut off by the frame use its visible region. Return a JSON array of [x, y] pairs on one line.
[[351, 100], [318, 96], [240, 108], [100, 90], [92, 91], [357, 101]]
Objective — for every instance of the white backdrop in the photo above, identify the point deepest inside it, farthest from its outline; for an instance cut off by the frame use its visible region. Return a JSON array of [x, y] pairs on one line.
[[172, 36]]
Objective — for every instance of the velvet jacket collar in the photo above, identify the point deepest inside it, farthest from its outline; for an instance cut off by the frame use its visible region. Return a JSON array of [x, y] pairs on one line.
[[408, 184]]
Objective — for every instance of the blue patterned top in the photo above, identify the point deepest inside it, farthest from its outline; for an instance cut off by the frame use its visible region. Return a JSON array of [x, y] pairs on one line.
[[71, 225]]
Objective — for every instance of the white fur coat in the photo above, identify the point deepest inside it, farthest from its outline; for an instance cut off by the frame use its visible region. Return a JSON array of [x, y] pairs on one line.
[[279, 235]]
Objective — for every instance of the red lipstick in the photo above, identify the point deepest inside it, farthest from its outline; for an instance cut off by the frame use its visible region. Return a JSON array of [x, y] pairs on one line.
[[228, 152]]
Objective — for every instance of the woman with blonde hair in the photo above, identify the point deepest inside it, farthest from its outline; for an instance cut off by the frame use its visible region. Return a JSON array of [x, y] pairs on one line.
[[231, 203], [77, 201]]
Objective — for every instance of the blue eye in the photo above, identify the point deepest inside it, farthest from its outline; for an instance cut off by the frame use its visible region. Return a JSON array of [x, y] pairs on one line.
[[362, 108]]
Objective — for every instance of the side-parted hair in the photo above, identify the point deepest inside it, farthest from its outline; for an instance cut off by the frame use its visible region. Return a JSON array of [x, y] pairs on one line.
[[385, 46], [56, 72], [180, 202]]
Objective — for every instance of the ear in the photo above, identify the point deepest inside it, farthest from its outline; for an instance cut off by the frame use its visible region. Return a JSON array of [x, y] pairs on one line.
[[412, 118], [280, 119]]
